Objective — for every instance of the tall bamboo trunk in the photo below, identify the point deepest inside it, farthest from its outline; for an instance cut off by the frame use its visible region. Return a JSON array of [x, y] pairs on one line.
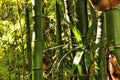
[[59, 39], [28, 37], [82, 17], [82, 26], [112, 31], [38, 48]]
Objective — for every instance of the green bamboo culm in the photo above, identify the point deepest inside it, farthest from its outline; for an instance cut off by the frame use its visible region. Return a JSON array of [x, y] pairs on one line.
[[59, 39], [82, 26], [82, 16], [28, 38], [112, 30], [38, 47]]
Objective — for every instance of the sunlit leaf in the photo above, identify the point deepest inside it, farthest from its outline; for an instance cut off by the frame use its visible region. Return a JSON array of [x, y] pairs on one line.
[[78, 57], [76, 33]]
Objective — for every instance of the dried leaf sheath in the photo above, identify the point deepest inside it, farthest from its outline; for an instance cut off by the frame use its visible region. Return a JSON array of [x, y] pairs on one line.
[[114, 67], [104, 4]]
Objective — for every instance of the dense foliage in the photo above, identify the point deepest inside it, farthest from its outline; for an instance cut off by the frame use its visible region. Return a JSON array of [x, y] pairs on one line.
[[70, 47]]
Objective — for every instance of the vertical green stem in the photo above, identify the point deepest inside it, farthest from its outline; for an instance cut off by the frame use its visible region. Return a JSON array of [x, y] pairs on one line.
[[38, 48], [112, 31], [82, 25], [28, 38], [59, 39]]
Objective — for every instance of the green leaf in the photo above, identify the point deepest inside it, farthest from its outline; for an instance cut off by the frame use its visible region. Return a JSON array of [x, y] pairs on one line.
[[90, 33], [78, 57], [79, 69], [76, 33], [87, 60], [96, 46]]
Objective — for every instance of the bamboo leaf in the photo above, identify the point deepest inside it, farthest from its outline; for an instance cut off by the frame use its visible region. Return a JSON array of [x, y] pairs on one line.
[[78, 57], [96, 46], [79, 69], [76, 33], [90, 32], [87, 60]]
